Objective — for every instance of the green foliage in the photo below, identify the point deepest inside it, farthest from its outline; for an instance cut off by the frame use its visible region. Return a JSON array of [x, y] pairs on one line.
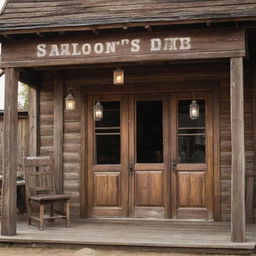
[[23, 97]]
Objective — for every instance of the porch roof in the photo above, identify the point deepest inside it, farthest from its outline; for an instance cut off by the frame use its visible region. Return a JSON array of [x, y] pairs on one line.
[[34, 15]]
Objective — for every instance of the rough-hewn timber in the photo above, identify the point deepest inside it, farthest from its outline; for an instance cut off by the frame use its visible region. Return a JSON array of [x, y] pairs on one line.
[[32, 15], [136, 79]]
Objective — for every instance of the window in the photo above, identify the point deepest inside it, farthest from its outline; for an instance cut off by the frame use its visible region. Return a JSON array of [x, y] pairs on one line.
[[191, 134], [107, 134], [149, 132]]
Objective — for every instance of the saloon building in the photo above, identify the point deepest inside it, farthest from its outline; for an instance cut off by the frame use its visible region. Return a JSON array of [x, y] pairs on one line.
[[148, 108]]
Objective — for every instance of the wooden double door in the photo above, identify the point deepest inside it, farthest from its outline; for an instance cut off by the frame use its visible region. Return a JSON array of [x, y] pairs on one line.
[[148, 159]]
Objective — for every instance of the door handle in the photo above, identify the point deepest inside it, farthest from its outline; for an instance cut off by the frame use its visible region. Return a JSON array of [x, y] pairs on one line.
[[174, 165], [131, 170]]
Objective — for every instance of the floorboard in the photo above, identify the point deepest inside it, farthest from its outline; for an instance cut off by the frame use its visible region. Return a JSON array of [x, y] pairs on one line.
[[169, 234]]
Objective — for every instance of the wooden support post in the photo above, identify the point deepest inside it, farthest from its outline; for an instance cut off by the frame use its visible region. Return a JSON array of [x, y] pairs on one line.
[[58, 133], [33, 121], [238, 151], [9, 191]]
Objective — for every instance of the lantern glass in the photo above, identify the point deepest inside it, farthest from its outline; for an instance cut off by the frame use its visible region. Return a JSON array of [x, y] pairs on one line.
[[194, 110], [70, 102], [98, 112], [118, 76]]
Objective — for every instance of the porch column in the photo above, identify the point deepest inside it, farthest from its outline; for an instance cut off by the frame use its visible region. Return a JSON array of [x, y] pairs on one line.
[[9, 197], [33, 121], [238, 151], [58, 132]]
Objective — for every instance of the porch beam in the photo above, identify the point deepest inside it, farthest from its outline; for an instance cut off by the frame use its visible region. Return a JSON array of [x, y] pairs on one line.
[[9, 191], [238, 151], [58, 132]]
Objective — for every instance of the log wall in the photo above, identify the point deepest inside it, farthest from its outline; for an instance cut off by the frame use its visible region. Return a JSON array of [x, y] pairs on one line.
[[217, 74], [71, 147], [225, 140]]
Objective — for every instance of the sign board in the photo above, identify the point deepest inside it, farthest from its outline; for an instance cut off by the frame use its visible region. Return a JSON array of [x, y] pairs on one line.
[[114, 47]]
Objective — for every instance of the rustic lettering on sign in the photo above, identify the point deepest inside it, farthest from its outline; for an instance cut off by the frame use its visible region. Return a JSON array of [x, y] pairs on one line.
[[77, 49]]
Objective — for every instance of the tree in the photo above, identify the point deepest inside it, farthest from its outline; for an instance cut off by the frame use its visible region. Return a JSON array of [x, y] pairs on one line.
[[23, 97]]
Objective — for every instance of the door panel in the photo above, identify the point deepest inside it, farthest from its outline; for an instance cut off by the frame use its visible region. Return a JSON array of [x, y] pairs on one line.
[[192, 158], [106, 189], [149, 188], [108, 159], [148, 157], [191, 188]]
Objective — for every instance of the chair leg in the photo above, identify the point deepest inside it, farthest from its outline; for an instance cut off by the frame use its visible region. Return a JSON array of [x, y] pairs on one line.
[[51, 212], [67, 212], [41, 222]]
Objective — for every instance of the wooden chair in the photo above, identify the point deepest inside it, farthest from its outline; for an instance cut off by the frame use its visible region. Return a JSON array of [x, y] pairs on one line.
[[40, 190]]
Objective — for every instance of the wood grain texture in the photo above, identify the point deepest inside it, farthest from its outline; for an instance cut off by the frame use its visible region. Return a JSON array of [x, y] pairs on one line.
[[22, 138], [238, 151], [9, 191], [168, 78], [149, 188], [33, 113], [81, 48], [41, 190], [70, 14], [207, 237], [71, 138], [58, 132]]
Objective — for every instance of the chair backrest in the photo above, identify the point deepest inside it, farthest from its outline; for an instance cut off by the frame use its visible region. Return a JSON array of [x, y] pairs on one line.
[[39, 175]]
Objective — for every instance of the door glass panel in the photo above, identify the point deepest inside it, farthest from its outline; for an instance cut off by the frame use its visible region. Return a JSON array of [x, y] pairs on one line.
[[149, 131], [191, 133], [107, 134]]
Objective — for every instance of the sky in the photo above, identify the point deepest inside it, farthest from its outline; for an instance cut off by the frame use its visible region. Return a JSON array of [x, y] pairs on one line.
[[1, 3]]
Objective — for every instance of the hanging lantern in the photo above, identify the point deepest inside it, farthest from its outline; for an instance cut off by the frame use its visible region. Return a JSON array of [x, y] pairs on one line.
[[118, 76], [70, 102], [194, 110], [98, 112]]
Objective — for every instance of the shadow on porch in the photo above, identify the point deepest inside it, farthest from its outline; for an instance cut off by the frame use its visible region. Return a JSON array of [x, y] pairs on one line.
[[179, 235]]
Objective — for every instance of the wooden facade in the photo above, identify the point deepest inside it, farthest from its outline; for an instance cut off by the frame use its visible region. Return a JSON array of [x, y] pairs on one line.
[[215, 75], [167, 66]]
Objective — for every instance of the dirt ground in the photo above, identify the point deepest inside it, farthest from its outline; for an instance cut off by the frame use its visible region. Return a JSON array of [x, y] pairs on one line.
[[16, 251]]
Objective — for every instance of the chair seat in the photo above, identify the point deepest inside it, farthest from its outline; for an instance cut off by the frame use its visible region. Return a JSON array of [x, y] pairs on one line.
[[41, 198]]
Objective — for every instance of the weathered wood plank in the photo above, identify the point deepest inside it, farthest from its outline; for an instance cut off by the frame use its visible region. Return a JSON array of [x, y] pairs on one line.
[[77, 14], [9, 197], [238, 151], [33, 121], [125, 47], [205, 236], [58, 133]]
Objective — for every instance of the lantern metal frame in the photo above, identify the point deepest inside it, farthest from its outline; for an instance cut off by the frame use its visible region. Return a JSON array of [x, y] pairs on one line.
[[194, 106], [118, 76], [70, 101], [98, 111]]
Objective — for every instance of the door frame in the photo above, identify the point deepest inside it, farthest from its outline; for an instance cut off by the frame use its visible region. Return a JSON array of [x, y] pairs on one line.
[[164, 166], [212, 87], [209, 163], [121, 168]]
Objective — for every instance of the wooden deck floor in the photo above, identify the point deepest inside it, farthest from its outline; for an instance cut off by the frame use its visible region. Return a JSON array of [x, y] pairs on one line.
[[169, 234]]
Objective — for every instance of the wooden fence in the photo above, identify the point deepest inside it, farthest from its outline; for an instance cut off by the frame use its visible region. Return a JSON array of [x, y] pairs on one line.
[[22, 134]]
